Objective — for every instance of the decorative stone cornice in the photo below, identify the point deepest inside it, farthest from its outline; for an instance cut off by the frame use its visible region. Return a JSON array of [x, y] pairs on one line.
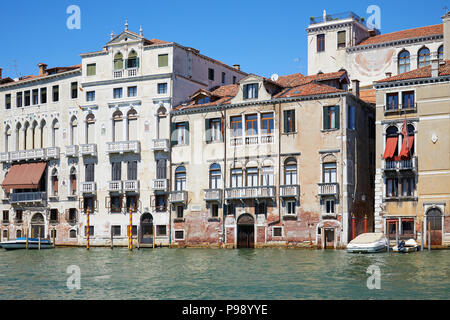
[[411, 82], [395, 43]]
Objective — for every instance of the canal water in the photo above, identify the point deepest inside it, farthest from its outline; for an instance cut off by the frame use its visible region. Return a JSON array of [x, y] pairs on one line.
[[211, 274]]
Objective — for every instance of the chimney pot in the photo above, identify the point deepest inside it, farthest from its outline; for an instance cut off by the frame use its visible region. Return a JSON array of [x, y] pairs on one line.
[[355, 84], [237, 67], [42, 68]]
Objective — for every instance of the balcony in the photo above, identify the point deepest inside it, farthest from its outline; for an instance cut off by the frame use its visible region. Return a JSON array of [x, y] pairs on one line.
[[115, 186], [178, 197], [411, 108], [5, 222], [397, 165], [160, 145], [4, 157], [292, 191], [118, 74], [27, 155], [131, 186], [53, 152], [160, 184], [89, 187], [132, 72], [252, 140], [329, 189], [88, 150], [28, 197], [72, 151], [123, 147], [250, 193], [213, 195]]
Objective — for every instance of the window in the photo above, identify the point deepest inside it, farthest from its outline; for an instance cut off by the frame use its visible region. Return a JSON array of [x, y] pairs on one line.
[[329, 206], [72, 234], [267, 176], [132, 203], [234, 79], [204, 100], [162, 88], [19, 234], [19, 215], [161, 169], [8, 101], [211, 74], [213, 130], [161, 231], [236, 126], [408, 100], [331, 118], [91, 69], [179, 234], [55, 182], [5, 216], [231, 209], [74, 90], [53, 234], [251, 91], [223, 77], [118, 92], [163, 60], [289, 121], [116, 171], [89, 172], [403, 61], [320, 42], [215, 177], [341, 39], [260, 208], [27, 98], [180, 212], [180, 133], [35, 96], [160, 203], [116, 204], [90, 96], [267, 123], [408, 186], [180, 179], [290, 172], [91, 231], [236, 178], [423, 57], [214, 210], [329, 172], [54, 215], [19, 99], [277, 231], [291, 207], [251, 125], [72, 215], [441, 53], [252, 177], [43, 95], [133, 60], [132, 171], [392, 101], [88, 204], [407, 226], [132, 91], [392, 187], [351, 118], [55, 93], [116, 231], [118, 61]]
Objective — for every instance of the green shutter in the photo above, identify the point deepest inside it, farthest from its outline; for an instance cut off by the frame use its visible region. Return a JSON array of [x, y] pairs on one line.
[[207, 130], [326, 122], [257, 91], [173, 137], [137, 62], [245, 91], [285, 115], [91, 69], [163, 60], [187, 133], [293, 121], [337, 117]]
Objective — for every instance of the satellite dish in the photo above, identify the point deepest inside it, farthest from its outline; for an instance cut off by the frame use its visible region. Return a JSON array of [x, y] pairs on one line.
[[274, 77]]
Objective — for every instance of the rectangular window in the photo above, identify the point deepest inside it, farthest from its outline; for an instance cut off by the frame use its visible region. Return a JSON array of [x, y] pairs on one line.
[[8, 101], [251, 125], [320, 42], [234, 79], [163, 60], [267, 123], [74, 90], [5, 216], [351, 117], [35, 96], [88, 204], [91, 231], [19, 99], [132, 170], [116, 171], [331, 118], [236, 126], [160, 203], [341, 39], [214, 210], [118, 93], [116, 204], [408, 186], [161, 231], [43, 95], [291, 207], [55, 93], [236, 178], [329, 206], [53, 215], [213, 130], [180, 212], [211, 74], [179, 234], [162, 88], [89, 172], [132, 203], [392, 101], [289, 121], [90, 96], [407, 226], [251, 91], [392, 187], [181, 132], [277, 231], [408, 100], [252, 177], [27, 98], [267, 176], [132, 91], [223, 77], [329, 172], [116, 231], [91, 69], [260, 208], [19, 215]]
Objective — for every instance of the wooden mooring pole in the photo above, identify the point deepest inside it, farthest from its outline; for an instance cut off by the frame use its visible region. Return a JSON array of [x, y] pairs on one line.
[[153, 236], [87, 229], [421, 236], [130, 233], [54, 235], [353, 226], [39, 238], [26, 241], [429, 235], [112, 239], [365, 223]]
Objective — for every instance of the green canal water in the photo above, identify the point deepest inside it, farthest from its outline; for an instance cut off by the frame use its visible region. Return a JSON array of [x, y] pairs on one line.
[[210, 274]]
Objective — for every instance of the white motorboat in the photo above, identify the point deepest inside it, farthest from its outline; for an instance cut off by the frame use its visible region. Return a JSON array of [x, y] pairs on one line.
[[21, 243], [408, 246], [368, 243]]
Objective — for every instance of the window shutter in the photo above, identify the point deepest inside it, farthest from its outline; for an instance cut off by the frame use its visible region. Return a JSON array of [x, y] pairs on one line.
[[173, 138], [326, 121], [187, 132], [245, 91], [256, 91], [208, 130], [337, 115], [137, 62], [286, 125]]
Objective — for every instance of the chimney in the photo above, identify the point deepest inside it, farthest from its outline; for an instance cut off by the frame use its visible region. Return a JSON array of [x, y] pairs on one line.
[[446, 24], [237, 67], [388, 74], [42, 68], [434, 68], [1, 73], [355, 85]]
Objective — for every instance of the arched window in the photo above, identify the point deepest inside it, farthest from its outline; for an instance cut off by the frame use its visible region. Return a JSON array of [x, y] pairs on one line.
[[133, 60], [7, 138], [90, 128], [391, 143], [441, 53], [73, 131], [423, 57], [26, 136], [290, 172], [117, 126], [132, 125], [392, 131], [118, 61], [180, 179], [18, 129], [43, 140], [55, 183], [73, 181], [215, 176], [34, 135], [403, 61], [55, 134]]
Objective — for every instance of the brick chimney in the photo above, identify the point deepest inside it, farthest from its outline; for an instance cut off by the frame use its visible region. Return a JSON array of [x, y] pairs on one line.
[[446, 24], [42, 68], [355, 85], [434, 68], [237, 67]]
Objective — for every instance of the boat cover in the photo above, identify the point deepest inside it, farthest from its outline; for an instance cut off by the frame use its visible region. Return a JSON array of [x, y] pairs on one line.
[[366, 238]]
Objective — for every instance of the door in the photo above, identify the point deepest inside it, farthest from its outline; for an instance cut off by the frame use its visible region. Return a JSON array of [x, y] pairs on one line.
[[246, 232], [38, 226], [147, 228], [434, 219], [329, 238]]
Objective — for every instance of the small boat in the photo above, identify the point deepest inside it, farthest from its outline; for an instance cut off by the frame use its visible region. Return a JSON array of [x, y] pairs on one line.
[[21, 243], [368, 243], [408, 246]]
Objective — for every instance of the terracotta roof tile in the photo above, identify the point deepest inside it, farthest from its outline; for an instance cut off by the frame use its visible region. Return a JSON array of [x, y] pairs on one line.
[[297, 79], [308, 89], [425, 72], [368, 96], [405, 34]]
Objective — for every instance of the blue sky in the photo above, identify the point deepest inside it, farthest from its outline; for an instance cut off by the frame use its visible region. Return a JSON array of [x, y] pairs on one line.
[[264, 37]]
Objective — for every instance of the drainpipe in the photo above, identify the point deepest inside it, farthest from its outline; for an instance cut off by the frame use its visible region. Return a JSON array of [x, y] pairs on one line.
[[341, 195], [224, 173]]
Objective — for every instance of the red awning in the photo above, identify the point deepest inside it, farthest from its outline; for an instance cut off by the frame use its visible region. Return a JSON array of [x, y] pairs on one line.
[[391, 145], [406, 147], [24, 176]]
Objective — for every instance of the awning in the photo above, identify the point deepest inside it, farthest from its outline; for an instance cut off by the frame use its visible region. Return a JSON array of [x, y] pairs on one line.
[[391, 145], [406, 147], [24, 176]]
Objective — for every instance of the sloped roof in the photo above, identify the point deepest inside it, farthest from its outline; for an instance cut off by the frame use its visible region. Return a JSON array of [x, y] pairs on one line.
[[424, 72], [309, 89], [297, 79]]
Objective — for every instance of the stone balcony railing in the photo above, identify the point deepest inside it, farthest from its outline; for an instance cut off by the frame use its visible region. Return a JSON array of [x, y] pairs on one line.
[[213, 195], [115, 186], [160, 184], [291, 191], [4, 157], [88, 150], [89, 187], [123, 147], [53, 152], [160, 145], [328, 189], [72, 151], [28, 197], [250, 193], [132, 72], [252, 140], [131, 186], [397, 165], [178, 197]]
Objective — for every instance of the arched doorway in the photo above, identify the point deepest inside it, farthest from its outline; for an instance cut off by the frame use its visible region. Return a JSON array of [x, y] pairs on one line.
[[147, 228], [246, 232], [434, 219], [38, 224]]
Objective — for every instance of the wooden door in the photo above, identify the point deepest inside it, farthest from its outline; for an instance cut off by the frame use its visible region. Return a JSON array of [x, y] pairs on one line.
[[434, 219]]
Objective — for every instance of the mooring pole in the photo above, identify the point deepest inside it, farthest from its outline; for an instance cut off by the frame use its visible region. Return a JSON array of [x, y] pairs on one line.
[[112, 240], [26, 235], [429, 235], [54, 232], [353, 226], [421, 236], [87, 229], [39, 238], [365, 223], [130, 235], [153, 236], [396, 233]]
